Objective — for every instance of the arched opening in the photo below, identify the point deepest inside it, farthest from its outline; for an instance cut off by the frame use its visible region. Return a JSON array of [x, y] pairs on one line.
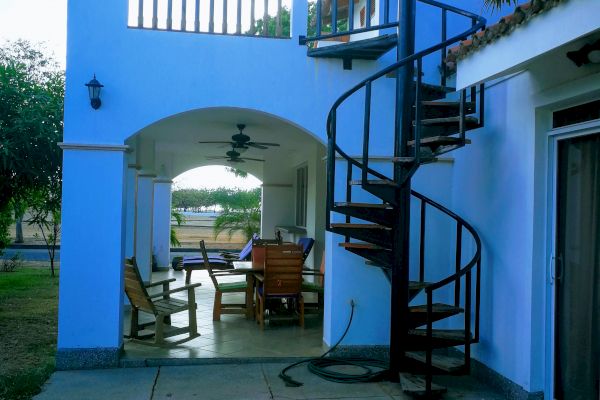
[[217, 204], [288, 165]]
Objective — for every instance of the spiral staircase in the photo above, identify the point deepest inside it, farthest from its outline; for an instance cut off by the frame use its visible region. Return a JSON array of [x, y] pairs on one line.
[[431, 119]]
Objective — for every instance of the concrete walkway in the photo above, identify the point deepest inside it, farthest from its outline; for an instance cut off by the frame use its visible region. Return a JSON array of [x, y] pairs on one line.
[[231, 382]]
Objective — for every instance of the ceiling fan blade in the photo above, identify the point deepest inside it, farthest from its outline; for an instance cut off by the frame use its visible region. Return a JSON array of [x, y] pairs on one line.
[[252, 159], [256, 146], [215, 157], [265, 143], [216, 142]]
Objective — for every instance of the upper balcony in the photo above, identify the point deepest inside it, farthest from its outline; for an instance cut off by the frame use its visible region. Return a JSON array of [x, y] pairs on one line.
[[261, 18]]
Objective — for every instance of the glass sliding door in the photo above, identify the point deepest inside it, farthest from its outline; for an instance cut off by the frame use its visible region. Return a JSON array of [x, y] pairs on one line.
[[577, 312]]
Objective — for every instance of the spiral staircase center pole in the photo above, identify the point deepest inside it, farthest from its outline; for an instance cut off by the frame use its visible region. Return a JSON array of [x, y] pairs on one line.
[[401, 239]]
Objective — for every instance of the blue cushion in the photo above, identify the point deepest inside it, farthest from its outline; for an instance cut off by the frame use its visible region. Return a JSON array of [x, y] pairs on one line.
[[307, 245], [247, 250]]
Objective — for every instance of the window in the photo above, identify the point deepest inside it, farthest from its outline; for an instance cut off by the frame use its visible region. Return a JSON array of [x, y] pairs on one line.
[[301, 195], [575, 115]]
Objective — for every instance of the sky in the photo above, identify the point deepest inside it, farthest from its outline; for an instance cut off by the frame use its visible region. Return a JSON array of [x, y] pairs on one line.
[[212, 177], [45, 21], [37, 21]]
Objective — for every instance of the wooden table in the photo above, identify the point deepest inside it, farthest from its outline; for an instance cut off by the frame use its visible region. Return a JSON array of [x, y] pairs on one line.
[[246, 266]]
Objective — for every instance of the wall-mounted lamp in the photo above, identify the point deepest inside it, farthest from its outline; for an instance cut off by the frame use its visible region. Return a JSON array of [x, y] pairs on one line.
[[94, 88], [590, 53]]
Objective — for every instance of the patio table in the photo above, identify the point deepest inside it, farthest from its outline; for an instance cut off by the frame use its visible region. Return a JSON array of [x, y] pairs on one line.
[[246, 266]]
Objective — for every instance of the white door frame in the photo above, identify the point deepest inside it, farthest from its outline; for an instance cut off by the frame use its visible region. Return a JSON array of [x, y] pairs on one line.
[[554, 136]]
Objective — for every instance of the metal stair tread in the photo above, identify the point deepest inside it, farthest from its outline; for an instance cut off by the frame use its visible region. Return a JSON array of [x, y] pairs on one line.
[[354, 245], [406, 160], [359, 226], [448, 120], [445, 334], [383, 182], [446, 363], [415, 385], [436, 308], [417, 285], [364, 205], [440, 141], [365, 49]]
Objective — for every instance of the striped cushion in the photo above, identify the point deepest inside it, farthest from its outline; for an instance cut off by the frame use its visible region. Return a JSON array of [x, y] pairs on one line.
[[311, 287], [232, 286]]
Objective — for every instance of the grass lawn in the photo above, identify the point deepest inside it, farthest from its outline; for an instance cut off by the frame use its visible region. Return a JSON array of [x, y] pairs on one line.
[[28, 326]]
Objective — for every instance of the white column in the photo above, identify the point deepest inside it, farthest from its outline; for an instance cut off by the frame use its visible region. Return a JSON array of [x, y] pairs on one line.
[[162, 222], [144, 223], [90, 325], [131, 193]]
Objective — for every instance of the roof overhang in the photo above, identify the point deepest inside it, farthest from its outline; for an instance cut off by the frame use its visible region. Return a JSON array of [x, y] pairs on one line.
[[557, 27]]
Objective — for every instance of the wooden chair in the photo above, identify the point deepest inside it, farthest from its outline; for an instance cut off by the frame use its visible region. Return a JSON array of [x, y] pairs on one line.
[[226, 287], [282, 278], [161, 305], [315, 287]]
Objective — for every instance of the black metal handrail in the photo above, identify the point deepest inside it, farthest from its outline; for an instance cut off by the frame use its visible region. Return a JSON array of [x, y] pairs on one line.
[[384, 6], [478, 23], [461, 271]]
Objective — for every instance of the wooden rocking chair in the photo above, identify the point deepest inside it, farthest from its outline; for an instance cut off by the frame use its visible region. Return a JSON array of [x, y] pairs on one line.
[[161, 305]]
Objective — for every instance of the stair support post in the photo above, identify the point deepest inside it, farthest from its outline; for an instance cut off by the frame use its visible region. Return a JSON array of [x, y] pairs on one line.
[[403, 123]]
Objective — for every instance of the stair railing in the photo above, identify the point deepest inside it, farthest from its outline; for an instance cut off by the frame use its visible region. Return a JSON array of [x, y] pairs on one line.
[[333, 148], [334, 8], [461, 272]]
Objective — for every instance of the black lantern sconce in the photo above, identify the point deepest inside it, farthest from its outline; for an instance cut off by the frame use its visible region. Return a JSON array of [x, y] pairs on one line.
[[94, 88], [590, 53]]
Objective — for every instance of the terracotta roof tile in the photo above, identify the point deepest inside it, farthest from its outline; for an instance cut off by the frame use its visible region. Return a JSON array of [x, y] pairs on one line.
[[522, 14]]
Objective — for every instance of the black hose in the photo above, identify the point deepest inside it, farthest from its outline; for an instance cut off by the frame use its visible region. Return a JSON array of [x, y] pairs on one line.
[[374, 370]]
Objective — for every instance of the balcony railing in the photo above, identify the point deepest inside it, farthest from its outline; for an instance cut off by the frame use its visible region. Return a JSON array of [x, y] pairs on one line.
[[265, 18]]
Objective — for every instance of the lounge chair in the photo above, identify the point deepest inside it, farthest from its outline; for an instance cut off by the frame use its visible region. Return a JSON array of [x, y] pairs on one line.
[[161, 305], [307, 245]]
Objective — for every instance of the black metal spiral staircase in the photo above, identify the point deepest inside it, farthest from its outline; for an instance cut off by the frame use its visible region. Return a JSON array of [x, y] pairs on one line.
[[429, 120]]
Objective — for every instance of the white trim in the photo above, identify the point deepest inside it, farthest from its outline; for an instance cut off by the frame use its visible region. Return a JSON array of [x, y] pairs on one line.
[[94, 147], [573, 130], [554, 137]]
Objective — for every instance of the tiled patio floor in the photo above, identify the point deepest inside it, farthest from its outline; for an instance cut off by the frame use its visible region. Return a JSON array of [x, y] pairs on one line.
[[233, 336]]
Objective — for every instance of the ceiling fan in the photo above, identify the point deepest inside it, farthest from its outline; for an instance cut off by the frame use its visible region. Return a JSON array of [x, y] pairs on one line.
[[240, 142], [233, 157]]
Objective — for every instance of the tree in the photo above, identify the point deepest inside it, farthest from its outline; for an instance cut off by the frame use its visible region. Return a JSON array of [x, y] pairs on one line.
[[241, 213], [237, 172], [497, 4], [31, 125], [180, 220], [45, 214], [272, 24]]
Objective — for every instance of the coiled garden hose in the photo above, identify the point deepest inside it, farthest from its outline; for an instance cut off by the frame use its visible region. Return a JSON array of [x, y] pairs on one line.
[[373, 370]]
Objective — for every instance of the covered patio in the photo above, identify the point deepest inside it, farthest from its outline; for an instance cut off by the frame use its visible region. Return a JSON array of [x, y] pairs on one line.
[[234, 336], [292, 175]]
